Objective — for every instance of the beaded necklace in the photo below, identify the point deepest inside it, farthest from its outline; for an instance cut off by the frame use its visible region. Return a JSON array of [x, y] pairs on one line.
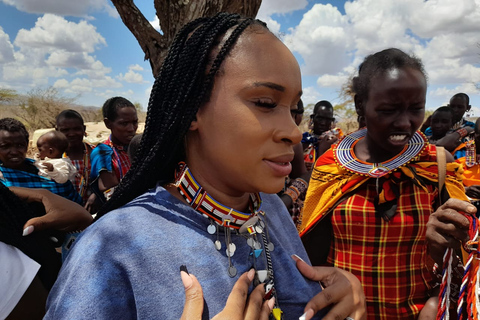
[[344, 156], [252, 226]]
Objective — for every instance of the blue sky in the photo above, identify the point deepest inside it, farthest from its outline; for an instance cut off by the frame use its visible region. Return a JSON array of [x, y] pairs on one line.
[[83, 49]]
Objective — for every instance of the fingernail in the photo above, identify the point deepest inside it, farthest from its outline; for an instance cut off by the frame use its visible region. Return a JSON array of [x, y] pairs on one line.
[[307, 315], [251, 274], [186, 279], [27, 231], [470, 209], [295, 257], [184, 268], [271, 303]]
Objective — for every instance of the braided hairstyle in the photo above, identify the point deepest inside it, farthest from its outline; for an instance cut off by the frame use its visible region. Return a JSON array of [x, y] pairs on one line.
[[13, 216], [379, 63], [184, 84]]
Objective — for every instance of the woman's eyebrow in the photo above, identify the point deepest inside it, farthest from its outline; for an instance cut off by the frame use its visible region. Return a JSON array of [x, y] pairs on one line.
[[273, 86]]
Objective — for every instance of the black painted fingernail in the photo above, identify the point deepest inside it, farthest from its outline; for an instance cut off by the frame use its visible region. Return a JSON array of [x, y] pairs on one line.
[[184, 268]]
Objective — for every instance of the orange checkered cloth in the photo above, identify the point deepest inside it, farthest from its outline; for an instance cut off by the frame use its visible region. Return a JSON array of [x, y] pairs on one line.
[[387, 255]]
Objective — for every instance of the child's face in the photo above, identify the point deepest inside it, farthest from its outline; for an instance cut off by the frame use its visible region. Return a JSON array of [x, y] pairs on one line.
[[46, 149], [441, 123], [13, 149]]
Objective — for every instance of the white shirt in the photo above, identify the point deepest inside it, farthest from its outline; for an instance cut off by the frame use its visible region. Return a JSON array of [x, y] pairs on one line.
[[16, 274]]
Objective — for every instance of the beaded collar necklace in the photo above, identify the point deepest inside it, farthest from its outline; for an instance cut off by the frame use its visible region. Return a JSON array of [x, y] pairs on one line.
[[344, 156], [251, 226], [202, 202]]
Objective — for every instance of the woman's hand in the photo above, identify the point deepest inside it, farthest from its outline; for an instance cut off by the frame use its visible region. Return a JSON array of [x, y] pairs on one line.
[[342, 290], [239, 304], [447, 228], [61, 214]]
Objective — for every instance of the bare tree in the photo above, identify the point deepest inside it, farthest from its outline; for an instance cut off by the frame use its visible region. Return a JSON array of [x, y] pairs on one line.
[[39, 108], [173, 14]]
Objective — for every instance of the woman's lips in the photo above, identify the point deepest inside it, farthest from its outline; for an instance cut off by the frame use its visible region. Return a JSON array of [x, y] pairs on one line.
[[280, 169]]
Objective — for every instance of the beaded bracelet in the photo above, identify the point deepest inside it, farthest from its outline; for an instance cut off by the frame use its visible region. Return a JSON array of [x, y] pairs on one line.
[[462, 132], [300, 184], [292, 193], [296, 188]]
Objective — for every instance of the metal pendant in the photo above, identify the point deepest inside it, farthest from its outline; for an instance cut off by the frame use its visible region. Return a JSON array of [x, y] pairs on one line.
[[211, 229], [249, 223], [270, 246], [232, 271]]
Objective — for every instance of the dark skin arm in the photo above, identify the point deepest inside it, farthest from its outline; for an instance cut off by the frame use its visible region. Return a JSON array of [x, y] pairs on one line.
[[298, 164], [451, 140], [107, 180]]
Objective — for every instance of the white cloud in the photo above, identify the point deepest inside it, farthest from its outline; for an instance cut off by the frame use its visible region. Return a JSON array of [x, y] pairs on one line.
[[310, 96], [328, 80], [447, 93], [53, 32], [322, 39], [83, 85], [6, 48], [443, 33], [135, 67], [63, 7], [156, 24], [131, 77], [269, 7]]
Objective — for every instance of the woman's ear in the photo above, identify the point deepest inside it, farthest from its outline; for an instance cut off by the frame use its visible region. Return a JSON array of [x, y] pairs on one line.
[[193, 124], [359, 107], [108, 123]]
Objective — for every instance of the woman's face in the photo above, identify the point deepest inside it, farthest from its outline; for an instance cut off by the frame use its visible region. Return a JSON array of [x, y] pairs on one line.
[[440, 123], [242, 139], [73, 129], [13, 149], [394, 111], [124, 126]]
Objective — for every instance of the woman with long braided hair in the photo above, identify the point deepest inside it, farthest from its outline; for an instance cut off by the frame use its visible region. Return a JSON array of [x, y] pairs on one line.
[[217, 145]]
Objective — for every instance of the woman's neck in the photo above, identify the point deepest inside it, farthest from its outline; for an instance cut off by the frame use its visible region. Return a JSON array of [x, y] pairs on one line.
[[76, 152], [240, 202], [372, 153]]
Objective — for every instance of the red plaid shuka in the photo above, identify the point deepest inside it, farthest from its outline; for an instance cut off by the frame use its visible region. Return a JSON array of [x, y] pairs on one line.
[[120, 160], [387, 255], [82, 177]]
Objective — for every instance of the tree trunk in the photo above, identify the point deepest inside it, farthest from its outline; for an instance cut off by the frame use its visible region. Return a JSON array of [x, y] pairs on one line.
[[173, 14]]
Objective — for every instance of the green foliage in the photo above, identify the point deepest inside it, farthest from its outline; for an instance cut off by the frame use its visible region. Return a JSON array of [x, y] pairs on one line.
[[39, 107], [7, 95]]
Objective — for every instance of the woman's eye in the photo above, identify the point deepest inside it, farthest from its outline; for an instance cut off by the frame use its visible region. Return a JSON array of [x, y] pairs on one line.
[[265, 104]]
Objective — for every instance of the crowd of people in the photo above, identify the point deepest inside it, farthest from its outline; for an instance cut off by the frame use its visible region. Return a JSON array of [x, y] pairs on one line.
[[222, 209]]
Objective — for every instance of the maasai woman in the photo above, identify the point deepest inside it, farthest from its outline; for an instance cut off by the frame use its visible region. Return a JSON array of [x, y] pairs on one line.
[[110, 160], [70, 123], [371, 195], [219, 133]]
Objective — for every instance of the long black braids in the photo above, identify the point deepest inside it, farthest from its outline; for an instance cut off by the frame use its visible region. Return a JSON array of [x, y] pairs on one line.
[[184, 84], [13, 216]]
